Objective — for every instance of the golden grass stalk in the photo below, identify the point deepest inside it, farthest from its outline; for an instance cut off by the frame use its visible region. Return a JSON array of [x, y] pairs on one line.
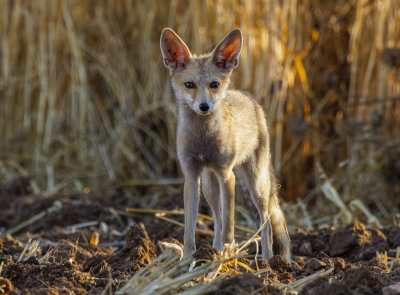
[[390, 262]]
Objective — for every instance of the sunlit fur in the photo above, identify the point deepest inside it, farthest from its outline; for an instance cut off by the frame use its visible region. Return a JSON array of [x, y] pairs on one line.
[[231, 137]]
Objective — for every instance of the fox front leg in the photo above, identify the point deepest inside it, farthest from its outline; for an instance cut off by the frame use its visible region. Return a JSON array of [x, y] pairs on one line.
[[211, 192], [227, 192], [191, 204]]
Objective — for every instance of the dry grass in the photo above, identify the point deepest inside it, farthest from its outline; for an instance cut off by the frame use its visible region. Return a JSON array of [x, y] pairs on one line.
[[86, 102], [170, 273]]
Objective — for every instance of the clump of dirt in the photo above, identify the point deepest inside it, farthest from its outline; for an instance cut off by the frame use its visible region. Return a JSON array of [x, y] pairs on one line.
[[324, 286], [245, 284], [46, 278], [76, 267], [355, 242], [205, 252], [279, 264], [16, 188], [9, 192], [358, 280], [355, 269], [10, 247], [393, 237], [137, 252]]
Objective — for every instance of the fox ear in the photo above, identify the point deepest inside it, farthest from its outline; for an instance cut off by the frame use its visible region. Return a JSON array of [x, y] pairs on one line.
[[226, 55], [175, 53]]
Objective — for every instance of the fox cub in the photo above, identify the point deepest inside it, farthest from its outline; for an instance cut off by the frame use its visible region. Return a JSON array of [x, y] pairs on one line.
[[221, 133]]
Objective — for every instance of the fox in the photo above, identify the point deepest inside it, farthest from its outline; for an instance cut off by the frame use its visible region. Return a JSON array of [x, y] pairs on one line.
[[222, 134]]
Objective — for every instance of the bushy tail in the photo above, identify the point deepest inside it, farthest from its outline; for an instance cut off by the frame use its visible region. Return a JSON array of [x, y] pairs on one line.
[[280, 233], [281, 239]]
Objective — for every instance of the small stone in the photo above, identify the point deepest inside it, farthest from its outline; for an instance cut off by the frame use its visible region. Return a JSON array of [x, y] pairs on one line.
[[391, 290], [279, 264], [285, 277], [315, 264]]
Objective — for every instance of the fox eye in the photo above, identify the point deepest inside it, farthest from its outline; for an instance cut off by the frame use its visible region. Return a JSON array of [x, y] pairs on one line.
[[190, 85], [214, 84]]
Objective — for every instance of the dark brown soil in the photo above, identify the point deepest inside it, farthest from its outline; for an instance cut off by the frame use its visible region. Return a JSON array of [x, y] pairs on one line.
[[127, 243]]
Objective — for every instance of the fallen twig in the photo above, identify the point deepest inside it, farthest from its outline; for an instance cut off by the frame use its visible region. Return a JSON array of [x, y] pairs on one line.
[[56, 205], [298, 285], [30, 249]]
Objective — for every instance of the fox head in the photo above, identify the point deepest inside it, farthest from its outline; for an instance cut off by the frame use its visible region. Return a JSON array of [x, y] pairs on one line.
[[202, 81]]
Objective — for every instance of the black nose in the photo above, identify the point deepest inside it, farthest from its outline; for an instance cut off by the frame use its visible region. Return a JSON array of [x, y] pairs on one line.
[[204, 107]]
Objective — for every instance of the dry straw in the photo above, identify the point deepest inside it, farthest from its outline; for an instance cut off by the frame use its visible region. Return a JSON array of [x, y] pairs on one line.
[[170, 273], [86, 102]]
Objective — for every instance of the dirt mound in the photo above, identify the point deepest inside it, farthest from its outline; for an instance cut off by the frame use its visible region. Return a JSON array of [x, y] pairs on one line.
[[74, 266], [137, 252], [393, 238], [244, 284], [205, 252], [359, 280], [354, 242], [67, 259], [46, 278]]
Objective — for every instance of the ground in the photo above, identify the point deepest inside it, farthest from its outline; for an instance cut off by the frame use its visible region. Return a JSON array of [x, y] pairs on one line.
[[68, 259]]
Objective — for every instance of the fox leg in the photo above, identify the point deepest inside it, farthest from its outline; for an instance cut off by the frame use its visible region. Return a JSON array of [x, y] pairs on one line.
[[255, 178], [260, 181], [227, 192], [191, 204], [260, 200], [210, 188]]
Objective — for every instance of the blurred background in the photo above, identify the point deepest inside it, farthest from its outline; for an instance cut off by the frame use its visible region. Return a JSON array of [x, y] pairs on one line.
[[86, 103]]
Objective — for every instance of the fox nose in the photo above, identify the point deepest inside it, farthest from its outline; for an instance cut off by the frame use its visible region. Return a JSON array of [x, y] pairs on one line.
[[204, 107]]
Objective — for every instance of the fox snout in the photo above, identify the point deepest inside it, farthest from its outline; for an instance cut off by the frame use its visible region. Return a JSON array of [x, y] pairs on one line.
[[204, 107], [201, 102], [197, 99]]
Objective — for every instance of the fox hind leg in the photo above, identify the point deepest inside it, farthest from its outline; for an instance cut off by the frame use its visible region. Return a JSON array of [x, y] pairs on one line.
[[258, 177], [255, 180], [263, 191]]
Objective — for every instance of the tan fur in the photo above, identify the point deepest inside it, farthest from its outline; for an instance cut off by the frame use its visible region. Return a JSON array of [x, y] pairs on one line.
[[231, 136]]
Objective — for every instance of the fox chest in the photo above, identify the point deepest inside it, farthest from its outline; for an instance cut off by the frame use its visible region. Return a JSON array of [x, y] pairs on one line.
[[203, 151]]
